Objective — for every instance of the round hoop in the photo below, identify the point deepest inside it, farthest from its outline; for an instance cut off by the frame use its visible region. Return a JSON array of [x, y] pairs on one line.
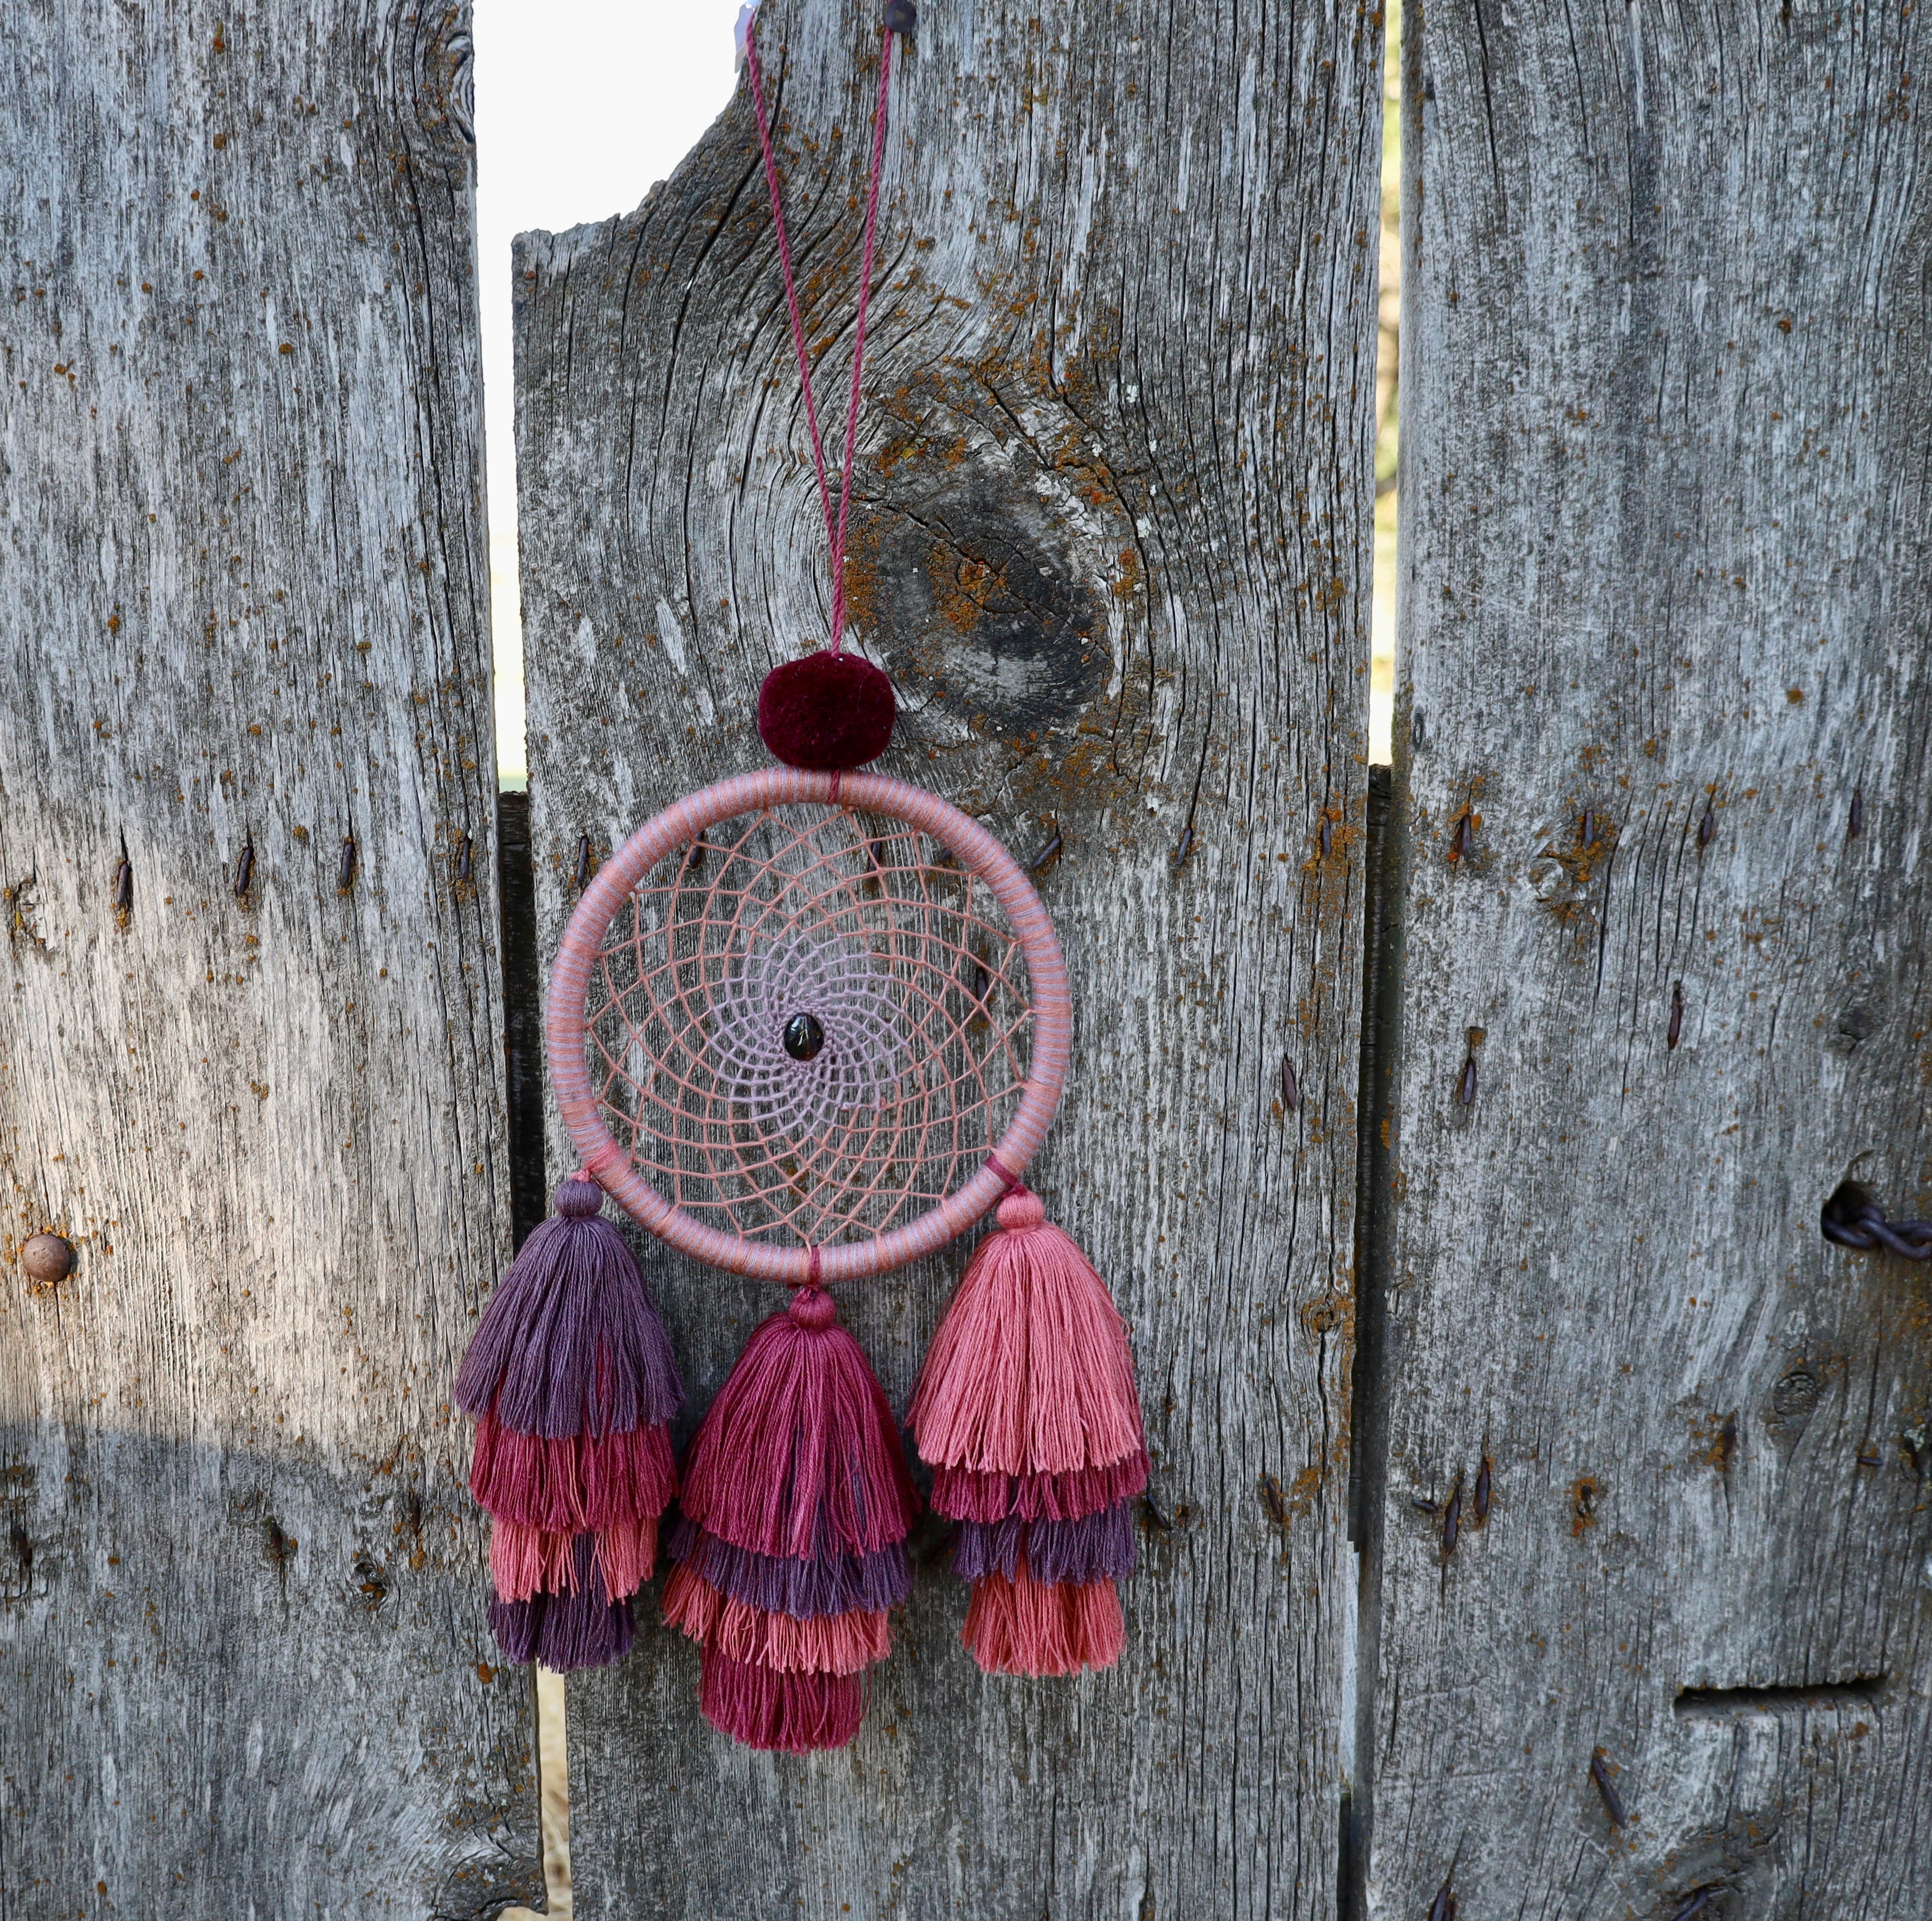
[[683, 824]]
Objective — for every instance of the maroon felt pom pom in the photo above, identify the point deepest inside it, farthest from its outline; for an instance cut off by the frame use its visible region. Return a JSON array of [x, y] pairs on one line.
[[828, 711]]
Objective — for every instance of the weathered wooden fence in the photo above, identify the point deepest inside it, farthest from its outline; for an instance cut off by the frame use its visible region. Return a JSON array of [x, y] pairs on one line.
[[251, 1056], [1573, 1440], [1667, 448]]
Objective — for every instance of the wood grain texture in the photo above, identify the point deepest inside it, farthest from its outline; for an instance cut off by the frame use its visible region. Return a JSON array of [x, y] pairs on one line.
[[243, 1662], [1667, 396], [1114, 544]]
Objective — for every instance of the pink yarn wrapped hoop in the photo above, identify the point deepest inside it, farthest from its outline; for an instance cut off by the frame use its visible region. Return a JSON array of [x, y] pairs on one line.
[[582, 972]]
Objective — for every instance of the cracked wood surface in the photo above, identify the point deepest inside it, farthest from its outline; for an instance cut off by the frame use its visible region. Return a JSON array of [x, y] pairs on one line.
[[1113, 539], [1666, 413], [244, 1667]]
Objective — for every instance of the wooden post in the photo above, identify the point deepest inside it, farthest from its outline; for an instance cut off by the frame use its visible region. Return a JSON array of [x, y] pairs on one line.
[[250, 1060], [1666, 411], [1115, 493]]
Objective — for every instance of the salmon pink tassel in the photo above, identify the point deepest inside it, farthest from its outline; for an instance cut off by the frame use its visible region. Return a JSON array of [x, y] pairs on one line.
[[1025, 1626], [815, 1644], [790, 1550], [572, 1384], [1027, 1413]]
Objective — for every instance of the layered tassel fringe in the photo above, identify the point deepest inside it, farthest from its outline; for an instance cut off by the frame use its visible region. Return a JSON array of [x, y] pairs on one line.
[[573, 1385], [792, 1714], [581, 1627], [790, 1546], [1027, 1413], [1021, 1625], [790, 1551]]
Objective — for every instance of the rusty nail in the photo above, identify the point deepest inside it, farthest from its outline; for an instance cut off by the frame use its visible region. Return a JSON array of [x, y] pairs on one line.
[[124, 886], [584, 870], [1588, 832], [1152, 1514], [1484, 1483], [47, 1259], [1184, 846], [1443, 1907], [345, 873], [1452, 1516], [1328, 837], [466, 858], [1707, 829], [1465, 839], [1290, 1088], [1868, 1455], [1676, 1031], [1047, 854], [1465, 1088], [1613, 1804], [245, 870], [901, 17], [1272, 1500]]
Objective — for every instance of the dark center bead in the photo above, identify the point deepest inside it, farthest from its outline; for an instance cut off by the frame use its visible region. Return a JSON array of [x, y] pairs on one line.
[[804, 1037]]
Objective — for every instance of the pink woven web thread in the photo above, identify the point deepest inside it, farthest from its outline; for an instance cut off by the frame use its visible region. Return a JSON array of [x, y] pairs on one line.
[[829, 979], [900, 955], [835, 521]]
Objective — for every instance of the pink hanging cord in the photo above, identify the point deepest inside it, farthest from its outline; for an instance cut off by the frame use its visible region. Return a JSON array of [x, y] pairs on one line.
[[835, 522]]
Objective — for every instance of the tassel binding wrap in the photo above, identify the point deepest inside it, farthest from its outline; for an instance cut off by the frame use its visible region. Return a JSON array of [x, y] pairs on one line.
[[1028, 1414], [572, 1385], [791, 1545]]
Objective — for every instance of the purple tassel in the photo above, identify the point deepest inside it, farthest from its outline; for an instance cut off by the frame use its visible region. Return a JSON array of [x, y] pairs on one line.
[[834, 1583], [570, 1344], [1098, 1547], [987, 1547], [517, 1625], [566, 1631]]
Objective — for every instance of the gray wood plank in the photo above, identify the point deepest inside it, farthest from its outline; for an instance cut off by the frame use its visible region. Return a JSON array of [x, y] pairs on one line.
[[1115, 502], [1667, 396], [244, 1669]]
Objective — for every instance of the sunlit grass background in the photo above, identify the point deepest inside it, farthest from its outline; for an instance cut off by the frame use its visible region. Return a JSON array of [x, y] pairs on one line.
[[580, 105]]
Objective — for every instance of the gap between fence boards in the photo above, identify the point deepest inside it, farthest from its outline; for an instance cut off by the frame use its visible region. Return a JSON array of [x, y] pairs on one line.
[[1375, 1165]]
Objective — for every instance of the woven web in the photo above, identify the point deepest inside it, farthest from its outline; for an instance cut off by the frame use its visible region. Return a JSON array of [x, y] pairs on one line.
[[898, 953]]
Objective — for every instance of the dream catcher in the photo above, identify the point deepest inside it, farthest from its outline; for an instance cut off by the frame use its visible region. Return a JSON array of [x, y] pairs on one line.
[[807, 1025]]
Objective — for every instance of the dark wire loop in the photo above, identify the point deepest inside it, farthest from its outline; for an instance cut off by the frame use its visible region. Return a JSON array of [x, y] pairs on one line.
[[1853, 1218]]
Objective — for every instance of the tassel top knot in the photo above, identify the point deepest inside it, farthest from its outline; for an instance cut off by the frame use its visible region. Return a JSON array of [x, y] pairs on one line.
[[812, 1308], [1022, 1209], [579, 1199]]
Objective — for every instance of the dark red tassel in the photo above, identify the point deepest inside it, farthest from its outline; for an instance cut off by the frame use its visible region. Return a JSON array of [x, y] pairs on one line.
[[797, 1465], [792, 1714]]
